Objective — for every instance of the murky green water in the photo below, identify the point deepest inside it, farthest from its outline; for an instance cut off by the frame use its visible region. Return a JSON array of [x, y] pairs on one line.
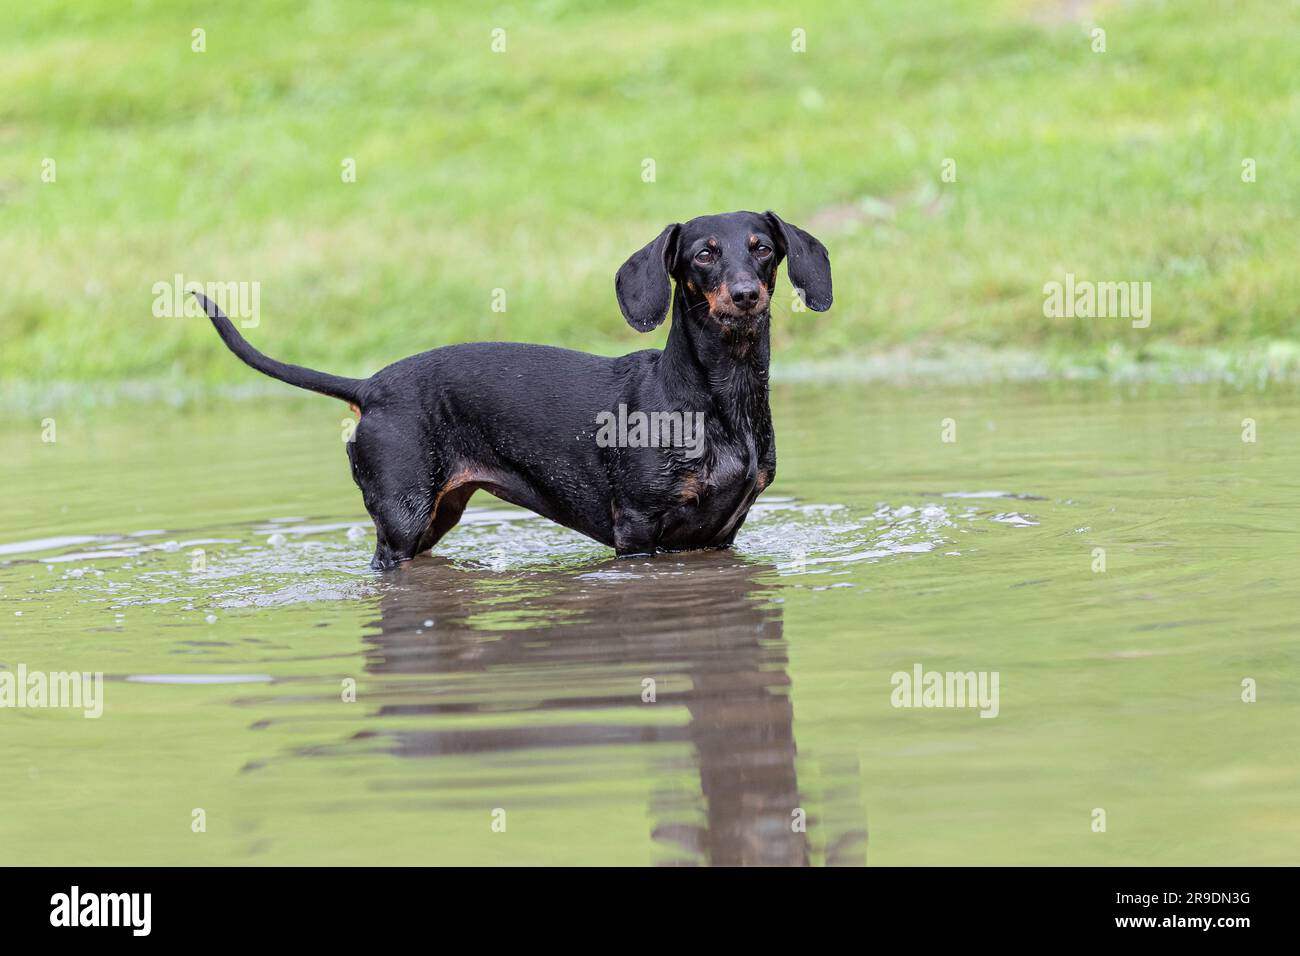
[[509, 673]]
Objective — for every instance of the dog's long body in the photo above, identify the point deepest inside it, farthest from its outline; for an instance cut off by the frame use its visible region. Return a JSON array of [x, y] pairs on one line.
[[523, 421]]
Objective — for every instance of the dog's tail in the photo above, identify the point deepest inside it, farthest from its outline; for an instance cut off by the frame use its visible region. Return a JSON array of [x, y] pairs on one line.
[[336, 386]]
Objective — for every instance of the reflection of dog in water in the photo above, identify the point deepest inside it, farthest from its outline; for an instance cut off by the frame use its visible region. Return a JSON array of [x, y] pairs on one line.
[[704, 636]]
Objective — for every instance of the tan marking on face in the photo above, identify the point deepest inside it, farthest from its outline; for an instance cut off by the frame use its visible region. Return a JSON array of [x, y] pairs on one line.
[[355, 411], [720, 298]]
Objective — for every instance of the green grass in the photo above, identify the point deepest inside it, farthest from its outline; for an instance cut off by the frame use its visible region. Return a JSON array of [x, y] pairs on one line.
[[522, 171]]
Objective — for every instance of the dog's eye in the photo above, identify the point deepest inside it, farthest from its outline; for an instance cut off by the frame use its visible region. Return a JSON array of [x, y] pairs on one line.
[[704, 256], [762, 251]]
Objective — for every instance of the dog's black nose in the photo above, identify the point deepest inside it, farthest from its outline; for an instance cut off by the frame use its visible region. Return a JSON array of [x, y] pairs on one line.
[[745, 295]]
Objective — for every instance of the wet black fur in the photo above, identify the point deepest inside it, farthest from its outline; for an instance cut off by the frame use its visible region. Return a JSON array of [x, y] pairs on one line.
[[520, 421]]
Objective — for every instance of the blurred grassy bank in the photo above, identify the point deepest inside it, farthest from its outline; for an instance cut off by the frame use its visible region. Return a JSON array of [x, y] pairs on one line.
[[522, 170]]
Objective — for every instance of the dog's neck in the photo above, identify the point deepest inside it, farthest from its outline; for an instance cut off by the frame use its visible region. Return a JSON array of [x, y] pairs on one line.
[[729, 365]]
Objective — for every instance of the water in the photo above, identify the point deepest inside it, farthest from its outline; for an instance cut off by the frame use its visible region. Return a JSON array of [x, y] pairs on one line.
[[690, 709]]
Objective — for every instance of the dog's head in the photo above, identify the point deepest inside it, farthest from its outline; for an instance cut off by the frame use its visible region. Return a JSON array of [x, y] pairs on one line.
[[726, 266]]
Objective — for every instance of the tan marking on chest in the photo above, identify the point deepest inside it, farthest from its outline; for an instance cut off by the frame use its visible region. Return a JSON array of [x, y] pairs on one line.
[[692, 487]]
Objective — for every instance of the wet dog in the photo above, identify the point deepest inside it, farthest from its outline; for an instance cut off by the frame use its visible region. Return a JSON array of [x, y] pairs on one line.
[[531, 424]]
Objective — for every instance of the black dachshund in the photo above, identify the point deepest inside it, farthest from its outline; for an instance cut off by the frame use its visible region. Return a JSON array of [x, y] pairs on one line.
[[653, 451]]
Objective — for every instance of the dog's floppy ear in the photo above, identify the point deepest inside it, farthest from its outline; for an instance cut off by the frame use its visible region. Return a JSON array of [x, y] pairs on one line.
[[642, 284], [806, 262]]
